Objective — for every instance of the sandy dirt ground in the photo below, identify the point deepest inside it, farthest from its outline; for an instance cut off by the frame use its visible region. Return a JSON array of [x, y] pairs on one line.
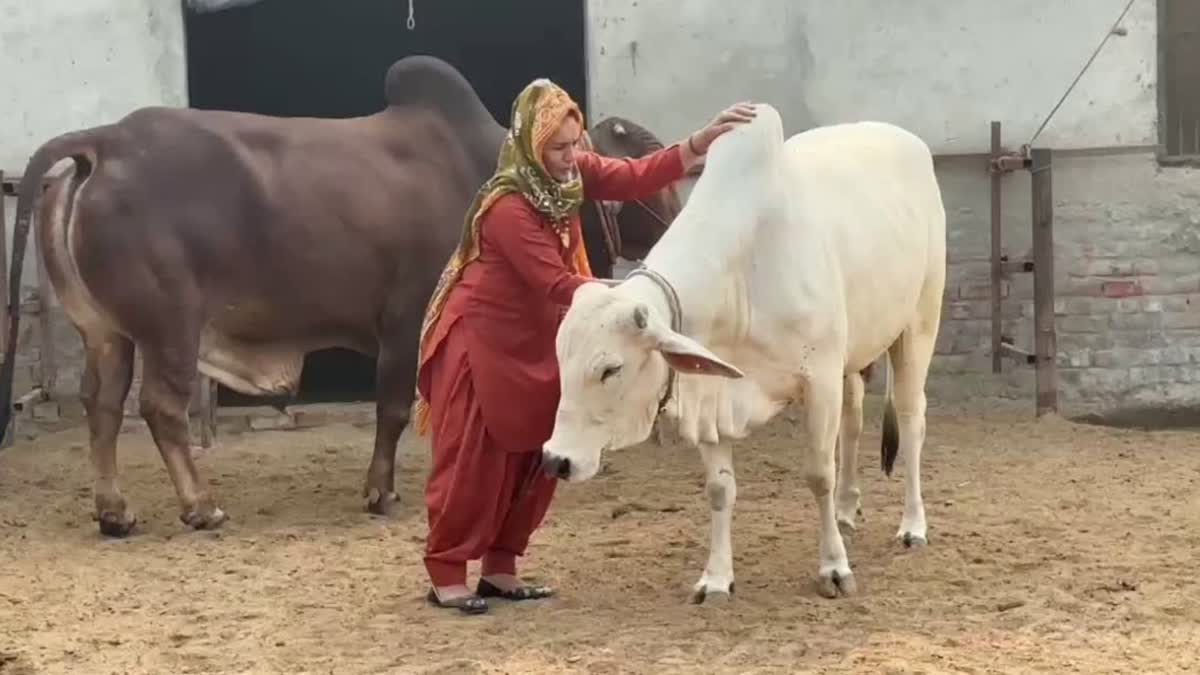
[[1054, 547]]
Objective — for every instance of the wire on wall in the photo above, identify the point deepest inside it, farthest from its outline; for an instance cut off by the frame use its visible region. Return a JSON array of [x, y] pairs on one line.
[[1111, 32]]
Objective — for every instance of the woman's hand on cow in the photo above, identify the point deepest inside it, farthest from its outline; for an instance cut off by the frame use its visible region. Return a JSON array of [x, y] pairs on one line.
[[726, 120]]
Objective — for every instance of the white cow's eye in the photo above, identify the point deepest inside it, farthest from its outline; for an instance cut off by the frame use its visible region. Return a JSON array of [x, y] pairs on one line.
[[609, 372]]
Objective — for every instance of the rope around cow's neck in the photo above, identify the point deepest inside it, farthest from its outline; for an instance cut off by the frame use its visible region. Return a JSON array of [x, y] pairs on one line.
[[676, 309]]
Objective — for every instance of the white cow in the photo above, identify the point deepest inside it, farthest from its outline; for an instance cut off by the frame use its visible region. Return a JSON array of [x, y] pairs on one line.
[[792, 267]]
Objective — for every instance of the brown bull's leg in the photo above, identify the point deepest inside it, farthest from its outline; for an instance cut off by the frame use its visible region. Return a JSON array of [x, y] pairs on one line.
[[167, 377], [395, 379], [104, 386]]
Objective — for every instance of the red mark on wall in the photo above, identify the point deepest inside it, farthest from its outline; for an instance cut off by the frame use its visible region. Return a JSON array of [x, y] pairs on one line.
[[1121, 289]]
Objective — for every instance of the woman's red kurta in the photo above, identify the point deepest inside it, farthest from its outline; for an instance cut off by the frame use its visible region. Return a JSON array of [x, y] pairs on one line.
[[492, 381]]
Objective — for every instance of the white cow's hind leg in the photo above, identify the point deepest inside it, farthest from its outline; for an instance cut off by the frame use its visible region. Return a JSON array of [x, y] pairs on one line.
[[848, 498], [717, 581], [824, 415], [910, 357]]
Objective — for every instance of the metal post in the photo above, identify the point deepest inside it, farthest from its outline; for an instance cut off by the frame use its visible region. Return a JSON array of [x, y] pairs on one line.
[[49, 361], [997, 252], [1003, 162], [203, 403], [3, 269], [1045, 341], [6, 437], [210, 409], [202, 409], [1045, 350]]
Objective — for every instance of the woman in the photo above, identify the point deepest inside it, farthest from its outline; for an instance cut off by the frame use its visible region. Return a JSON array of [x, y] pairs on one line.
[[487, 382]]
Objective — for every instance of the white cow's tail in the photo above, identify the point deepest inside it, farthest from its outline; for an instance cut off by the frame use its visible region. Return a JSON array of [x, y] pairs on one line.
[[890, 444]]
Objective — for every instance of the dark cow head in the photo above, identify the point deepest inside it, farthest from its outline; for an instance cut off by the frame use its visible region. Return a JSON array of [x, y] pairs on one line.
[[639, 224]]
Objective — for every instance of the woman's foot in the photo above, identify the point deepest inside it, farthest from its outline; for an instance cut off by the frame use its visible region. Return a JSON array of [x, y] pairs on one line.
[[457, 597], [510, 587]]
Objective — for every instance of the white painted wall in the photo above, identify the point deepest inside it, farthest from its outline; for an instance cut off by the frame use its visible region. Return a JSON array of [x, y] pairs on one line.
[[941, 68], [68, 64]]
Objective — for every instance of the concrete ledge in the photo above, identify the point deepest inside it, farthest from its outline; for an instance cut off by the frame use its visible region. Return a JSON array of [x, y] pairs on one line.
[[262, 418]]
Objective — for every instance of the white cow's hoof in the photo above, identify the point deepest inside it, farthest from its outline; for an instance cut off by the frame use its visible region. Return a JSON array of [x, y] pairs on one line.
[[846, 526], [712, 593], [849, 509], [912, 540], [835, 584]]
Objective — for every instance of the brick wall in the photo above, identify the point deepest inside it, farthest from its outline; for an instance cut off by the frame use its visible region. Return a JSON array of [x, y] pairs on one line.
[[1127, 268]]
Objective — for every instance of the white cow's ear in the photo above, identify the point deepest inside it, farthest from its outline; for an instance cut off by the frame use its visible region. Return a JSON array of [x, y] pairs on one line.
[[681, 352], [688, 356]]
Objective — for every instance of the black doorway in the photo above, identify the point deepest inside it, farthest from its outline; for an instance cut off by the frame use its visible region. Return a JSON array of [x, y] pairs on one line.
[[327, 58]]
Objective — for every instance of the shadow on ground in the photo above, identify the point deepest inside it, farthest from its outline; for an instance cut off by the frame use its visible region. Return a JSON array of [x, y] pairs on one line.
[[1146, 418]]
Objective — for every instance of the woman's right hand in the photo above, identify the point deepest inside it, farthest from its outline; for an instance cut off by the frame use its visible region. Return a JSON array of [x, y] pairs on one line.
[[726, 120]]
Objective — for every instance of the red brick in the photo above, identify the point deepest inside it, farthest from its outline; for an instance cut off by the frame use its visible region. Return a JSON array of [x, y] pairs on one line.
[[1121, 289]]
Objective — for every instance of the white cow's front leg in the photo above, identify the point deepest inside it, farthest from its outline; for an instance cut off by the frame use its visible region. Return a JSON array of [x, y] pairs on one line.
[[717, 581], [824, 404], [848, 498]]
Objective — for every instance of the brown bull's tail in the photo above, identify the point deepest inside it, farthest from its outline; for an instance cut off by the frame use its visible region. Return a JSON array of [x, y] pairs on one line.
[[82, 147], [890, 444]]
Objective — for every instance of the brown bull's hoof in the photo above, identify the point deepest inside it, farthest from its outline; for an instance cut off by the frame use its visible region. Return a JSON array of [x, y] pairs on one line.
[[379, 503], [204, 519], [116, 524]]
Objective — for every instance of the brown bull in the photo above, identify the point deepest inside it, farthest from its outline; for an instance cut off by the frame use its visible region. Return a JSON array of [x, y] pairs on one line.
[[627, 230], [234, 244]]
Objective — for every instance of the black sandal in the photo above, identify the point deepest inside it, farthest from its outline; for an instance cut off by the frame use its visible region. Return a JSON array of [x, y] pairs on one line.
[[487, 589], [467, 604]]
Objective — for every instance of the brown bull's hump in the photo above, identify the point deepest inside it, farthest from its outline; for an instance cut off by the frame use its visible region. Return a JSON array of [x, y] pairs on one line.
[[430, 82]]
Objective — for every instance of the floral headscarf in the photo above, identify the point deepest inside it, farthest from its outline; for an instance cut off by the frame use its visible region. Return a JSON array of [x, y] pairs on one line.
[[537, 113]]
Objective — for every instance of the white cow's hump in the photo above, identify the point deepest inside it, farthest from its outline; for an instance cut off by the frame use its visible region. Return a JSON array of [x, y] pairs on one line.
[[751, 146], [740, 175]]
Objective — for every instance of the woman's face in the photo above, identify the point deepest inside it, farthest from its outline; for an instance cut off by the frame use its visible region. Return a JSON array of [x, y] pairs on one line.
[[558, 156]]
